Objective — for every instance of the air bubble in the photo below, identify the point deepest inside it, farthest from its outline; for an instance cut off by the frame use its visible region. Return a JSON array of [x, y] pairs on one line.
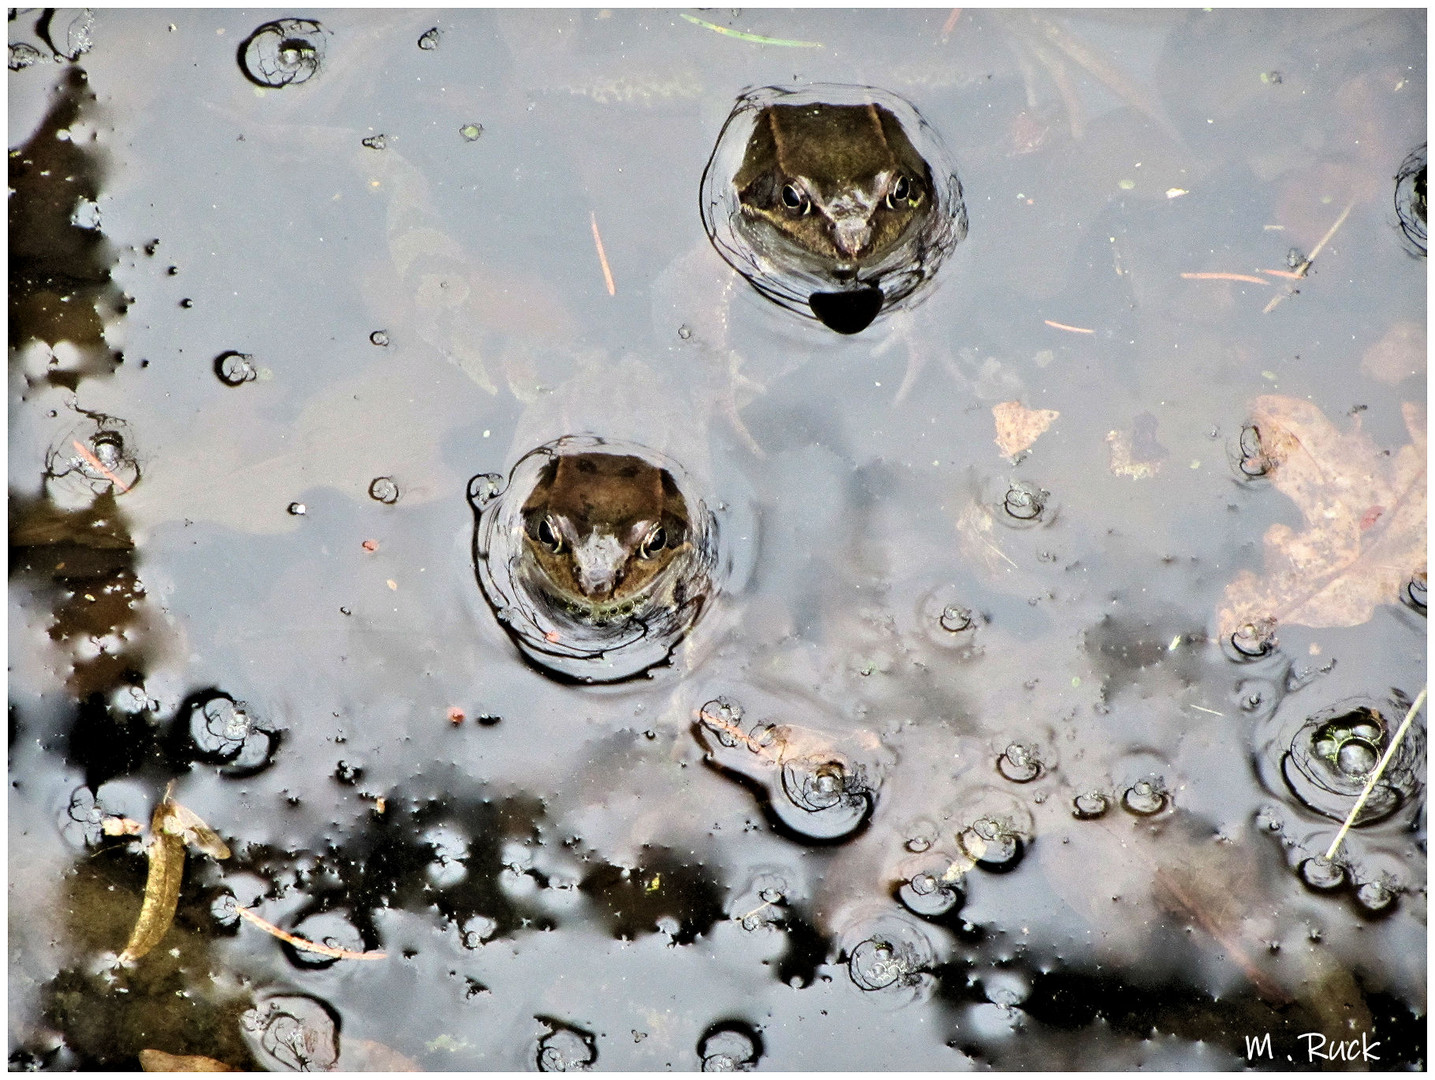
[[224, 910], [1321, 874], [729, 1047], [955, 618], [235, 368], [1089, 805], [1415, 593], [471, 132], [566, 1049], [383, 489], [992, 844], [1253, 640], [292, 1032], [23, 56], [685, 332], [1375, 898], [722, 717], [298, 509], [283, 53], [375, 142], [1251, 460], [1024, 501], [379, 338], [932, 887], [1019, 764], [831, 801], [1145, 797], [921, 835], [428, 40]]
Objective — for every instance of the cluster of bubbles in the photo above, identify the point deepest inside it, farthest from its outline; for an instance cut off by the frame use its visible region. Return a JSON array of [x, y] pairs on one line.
[[223, 732], [730, 1046], [235, 368], [1025, 503], [93, 458], [1326, 762], [817, 795], [1373, 893], [292, 1032], [565, 1048], [285, 52], [383, 489]]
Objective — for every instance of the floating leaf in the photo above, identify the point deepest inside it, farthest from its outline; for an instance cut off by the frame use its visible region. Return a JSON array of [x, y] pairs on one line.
[[1365, 521], [170, 828], [1018, 427], [1137, 454], [159, 1061]]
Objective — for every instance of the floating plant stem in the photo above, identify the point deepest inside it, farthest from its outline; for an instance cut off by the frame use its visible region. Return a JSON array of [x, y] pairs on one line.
[[744, 36], [1376, 774]]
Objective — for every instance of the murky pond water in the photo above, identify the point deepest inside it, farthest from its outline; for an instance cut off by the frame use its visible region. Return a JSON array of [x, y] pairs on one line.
[[1052, 624]]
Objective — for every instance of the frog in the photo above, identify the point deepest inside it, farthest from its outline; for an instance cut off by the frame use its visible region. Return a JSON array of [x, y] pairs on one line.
[[601, 531], [840, 181], [836, 202]]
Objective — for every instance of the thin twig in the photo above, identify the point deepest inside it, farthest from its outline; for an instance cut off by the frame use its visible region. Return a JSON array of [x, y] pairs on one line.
[[1073, 329], [301, 943], [1221, 275], [1301, 270], [602, 257], [86, 453], [1376, 775]]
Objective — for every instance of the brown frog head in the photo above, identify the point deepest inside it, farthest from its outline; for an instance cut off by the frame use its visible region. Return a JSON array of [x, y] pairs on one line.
[[601, 528]]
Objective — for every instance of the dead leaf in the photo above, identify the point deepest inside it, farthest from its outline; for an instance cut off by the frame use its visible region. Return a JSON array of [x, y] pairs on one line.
[[1398, 355], [171, 828], [1018, 427], [1365, 521], [161, 890], [1138, 454], [159, 1061]]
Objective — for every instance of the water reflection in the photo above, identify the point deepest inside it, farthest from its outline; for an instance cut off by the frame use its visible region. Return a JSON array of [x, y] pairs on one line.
[[837, 202]]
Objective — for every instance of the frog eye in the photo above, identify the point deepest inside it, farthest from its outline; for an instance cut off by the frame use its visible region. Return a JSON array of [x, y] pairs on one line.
[[548, 535], [794, 199], [654, 542], [902, 191]]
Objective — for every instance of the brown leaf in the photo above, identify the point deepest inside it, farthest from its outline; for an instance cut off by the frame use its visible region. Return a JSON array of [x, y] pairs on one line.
[[171, 827], [1018, 427], [159, 1061], [1398, 355], [1365, 521], [161, 889]]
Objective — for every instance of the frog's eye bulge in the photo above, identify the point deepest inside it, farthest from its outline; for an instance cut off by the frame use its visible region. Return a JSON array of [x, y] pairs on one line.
[[794, 200], [548, 536], [653, 543]]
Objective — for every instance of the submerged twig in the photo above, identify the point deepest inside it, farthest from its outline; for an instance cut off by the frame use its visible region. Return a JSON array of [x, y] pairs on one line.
[[1221, 275], [602, 255], [1073, 329], [756, 39], [1304, 267], [89, 456], [1376, 775], [303, 943]]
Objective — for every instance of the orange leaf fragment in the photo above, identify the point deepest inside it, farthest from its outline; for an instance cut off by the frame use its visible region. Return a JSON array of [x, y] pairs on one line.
[[1018, 427]]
